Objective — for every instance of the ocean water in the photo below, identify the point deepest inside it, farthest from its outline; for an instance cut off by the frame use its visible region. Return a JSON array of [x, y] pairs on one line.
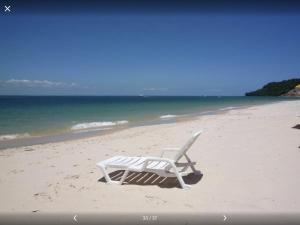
[[29, 116]]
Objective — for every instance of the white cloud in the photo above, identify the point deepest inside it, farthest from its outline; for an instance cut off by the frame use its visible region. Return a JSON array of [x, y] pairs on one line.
[[36, 83]]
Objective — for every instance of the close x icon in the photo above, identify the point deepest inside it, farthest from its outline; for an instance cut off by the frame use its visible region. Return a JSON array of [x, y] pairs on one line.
[[7, 8]]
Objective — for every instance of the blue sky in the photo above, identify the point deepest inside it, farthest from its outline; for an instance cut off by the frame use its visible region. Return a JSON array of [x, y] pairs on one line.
[[209, 54]]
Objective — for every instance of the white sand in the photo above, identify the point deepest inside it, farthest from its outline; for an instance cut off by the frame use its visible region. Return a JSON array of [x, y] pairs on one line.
[[250, 160]]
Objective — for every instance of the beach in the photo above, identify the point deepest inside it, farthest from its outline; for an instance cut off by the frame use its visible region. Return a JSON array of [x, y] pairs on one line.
[[249, 159]]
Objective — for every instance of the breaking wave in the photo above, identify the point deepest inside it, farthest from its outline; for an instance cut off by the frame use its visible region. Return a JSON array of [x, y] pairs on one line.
[[81, 126], [168, 116], [228, 108], [7, 137]]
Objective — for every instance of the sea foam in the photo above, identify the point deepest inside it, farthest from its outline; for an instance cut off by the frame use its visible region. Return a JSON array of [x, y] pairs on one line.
[[81, 126], [7, 137], [167, 116], [228, 108]]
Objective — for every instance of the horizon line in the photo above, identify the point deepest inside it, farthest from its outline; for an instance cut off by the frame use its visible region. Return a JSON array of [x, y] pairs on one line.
[[25, 95]]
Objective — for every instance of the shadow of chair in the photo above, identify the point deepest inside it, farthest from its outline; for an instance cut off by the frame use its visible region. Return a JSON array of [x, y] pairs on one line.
[[147, 178]]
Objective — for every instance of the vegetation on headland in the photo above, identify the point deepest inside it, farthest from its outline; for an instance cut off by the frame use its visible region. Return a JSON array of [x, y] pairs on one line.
[[283, 88]]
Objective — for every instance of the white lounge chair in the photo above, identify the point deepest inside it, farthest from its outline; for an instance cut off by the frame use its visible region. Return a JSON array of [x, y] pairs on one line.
[[162, 166]]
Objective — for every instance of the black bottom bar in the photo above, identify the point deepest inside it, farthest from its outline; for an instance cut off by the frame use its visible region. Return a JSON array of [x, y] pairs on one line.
[[151, 219]]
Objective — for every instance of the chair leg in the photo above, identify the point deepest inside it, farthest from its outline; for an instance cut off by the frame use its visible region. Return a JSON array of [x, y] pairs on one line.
[[196, 172], [104, 171], [124, 176], [181, 181]]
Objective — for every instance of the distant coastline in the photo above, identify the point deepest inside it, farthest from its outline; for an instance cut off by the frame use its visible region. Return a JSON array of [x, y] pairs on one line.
[[289, 87]]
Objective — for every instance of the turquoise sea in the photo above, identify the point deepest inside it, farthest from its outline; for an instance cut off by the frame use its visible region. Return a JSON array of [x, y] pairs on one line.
[[30, 116]]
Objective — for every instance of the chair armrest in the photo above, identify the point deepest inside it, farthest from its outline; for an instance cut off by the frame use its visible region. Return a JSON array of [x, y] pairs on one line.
[[158, 159], [168, 150]]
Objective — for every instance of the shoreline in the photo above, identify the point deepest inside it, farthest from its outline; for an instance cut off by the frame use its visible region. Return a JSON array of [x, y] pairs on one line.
[[248, 158], [28, 140]]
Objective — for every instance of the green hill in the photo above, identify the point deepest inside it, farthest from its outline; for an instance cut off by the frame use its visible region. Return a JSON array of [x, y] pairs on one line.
[[276, 88]]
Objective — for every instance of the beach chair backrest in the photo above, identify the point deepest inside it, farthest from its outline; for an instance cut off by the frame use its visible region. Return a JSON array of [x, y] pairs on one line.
[[187, 146]]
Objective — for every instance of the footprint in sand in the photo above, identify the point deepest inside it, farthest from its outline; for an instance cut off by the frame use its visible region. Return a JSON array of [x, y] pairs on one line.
[[72, 186], [40, 194], [80, 189], [13, 171], [155, 199], [43, 195], [72, 176], [16, 171]]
